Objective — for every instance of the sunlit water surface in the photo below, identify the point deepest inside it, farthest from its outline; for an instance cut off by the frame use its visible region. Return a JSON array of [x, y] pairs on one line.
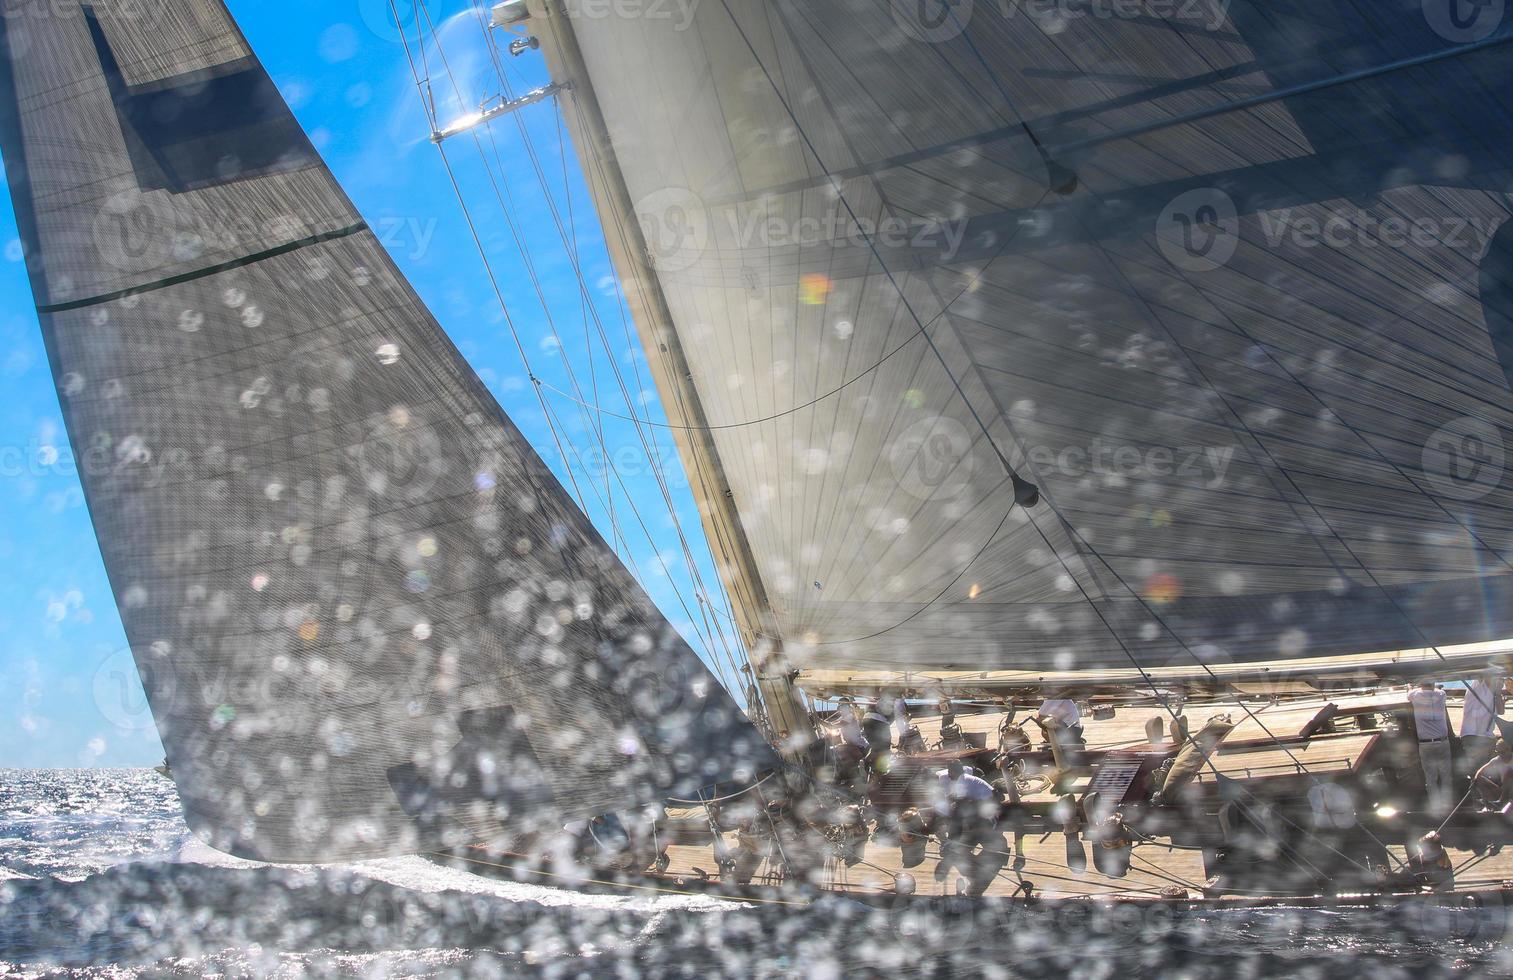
[[99, 876]]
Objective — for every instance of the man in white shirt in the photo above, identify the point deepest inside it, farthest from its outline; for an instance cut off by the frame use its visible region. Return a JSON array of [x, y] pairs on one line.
[[966, 809], [1061, 722], [1063, 710], [1484, 702], [955, 786], [1432, 720]]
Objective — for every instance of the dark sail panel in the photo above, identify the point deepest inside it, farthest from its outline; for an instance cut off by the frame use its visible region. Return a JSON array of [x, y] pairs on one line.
[[1215, 279], [368, 618]]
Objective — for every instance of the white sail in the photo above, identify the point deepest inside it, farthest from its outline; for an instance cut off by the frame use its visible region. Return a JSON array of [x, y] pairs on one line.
[[1227, 284], [368, 619]]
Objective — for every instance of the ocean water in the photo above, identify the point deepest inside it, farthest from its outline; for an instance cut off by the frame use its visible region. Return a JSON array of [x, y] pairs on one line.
[[100, 877]]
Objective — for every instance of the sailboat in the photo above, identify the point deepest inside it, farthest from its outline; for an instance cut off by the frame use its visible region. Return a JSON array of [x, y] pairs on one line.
[[1155, 366]]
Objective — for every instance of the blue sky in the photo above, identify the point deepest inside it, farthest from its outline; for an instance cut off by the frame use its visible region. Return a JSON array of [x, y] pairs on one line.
[[69, 695]]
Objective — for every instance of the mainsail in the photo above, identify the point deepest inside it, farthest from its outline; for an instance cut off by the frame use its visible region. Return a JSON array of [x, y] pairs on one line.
[[1227, 284], [368, 619]]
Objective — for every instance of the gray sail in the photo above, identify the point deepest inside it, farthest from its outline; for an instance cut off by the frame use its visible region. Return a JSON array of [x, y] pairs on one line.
[[368, 619], [1229, 284]]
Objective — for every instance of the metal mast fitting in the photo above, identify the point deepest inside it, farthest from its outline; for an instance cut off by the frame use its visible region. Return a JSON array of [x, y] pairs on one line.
[[510, 13], [487, 112]]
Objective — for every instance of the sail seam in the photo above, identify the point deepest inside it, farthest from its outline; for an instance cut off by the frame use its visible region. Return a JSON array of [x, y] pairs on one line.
[[209, 270]]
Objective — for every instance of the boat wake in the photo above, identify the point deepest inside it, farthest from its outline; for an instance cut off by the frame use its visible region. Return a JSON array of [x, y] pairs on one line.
[[100, 875]]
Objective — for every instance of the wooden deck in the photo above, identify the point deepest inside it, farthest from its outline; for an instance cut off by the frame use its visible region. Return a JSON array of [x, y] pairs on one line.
[[1250, 753], [1450, 662]]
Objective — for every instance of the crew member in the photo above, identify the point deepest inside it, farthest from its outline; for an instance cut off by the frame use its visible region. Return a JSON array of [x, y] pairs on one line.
[[1494, 780], [851, 745], [966, 808], [1061, 722], [877, 728], [1484, 702], [1431, 719]]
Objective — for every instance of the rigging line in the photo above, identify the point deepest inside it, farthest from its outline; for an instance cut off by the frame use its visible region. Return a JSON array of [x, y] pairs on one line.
[[939, 595], [1076, 536], [722, 799], [642, 434], [871, 243], [886, 205], [519, 345], [594, 162], [715, 427], [695, 573], [597, 164], [1276, 95], [1365, 441], [1009, 470], [1159, 872], [424, 89], [530, 267], [588, 343], [1291, 482], [499, 295]]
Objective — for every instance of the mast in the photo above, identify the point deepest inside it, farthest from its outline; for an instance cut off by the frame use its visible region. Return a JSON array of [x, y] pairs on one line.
[[718, 507]]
